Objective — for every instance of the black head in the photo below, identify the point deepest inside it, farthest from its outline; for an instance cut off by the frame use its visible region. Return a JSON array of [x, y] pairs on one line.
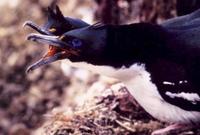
[[56, 23]]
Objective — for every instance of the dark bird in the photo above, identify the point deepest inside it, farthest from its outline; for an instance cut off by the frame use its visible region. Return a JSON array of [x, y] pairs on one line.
[[56, 24], [159, 64]]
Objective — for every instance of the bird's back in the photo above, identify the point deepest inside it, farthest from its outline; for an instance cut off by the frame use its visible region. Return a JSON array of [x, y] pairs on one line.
[[140, 42]]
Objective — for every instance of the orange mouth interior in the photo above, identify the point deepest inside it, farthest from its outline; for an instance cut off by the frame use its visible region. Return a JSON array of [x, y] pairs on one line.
[[65, 52]]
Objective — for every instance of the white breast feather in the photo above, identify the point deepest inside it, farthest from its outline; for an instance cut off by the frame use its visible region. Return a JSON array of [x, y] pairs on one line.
[[138, 82]]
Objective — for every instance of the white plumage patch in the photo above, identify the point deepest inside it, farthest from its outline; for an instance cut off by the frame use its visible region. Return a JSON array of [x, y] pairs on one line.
[[138, 82], [168, 83], [193, 97]]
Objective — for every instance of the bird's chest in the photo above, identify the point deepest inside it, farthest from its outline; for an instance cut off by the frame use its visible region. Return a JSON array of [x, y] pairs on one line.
[[134, 77], [164, 81]]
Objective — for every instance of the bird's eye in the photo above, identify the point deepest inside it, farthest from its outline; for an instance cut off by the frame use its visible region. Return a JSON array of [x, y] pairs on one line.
[[76, 42]]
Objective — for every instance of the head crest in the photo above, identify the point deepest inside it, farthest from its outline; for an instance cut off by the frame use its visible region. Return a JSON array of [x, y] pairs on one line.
[[55, 14]]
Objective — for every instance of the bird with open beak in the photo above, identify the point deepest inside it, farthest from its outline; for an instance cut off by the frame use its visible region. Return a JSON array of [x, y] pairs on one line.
[[56, 25], [159, 64]]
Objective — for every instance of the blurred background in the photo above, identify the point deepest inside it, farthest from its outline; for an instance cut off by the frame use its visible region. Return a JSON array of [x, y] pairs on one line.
[[25, 98]]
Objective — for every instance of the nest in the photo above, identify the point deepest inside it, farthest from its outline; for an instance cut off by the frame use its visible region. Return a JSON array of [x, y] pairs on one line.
[[112, 112]]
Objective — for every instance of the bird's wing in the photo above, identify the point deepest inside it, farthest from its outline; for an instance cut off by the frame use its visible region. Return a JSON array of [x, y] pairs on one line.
[[174, 85], [182, 22], [177, 84]]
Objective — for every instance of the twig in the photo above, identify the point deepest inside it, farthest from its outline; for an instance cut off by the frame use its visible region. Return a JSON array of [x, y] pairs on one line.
[[125, 127]]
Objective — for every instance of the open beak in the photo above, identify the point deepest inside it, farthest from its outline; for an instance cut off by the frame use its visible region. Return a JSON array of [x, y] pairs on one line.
[[57, 50], [37, 28]]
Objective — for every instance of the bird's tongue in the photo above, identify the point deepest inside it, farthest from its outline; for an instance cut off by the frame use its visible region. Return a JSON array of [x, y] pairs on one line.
[[52, 51]]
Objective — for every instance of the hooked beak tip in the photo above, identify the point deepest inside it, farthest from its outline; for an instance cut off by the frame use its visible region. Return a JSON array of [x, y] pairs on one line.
[[31, 37], [28, 70], [26, 23]]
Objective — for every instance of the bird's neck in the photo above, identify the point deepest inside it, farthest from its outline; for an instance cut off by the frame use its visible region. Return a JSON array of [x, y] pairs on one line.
[[127, 44]]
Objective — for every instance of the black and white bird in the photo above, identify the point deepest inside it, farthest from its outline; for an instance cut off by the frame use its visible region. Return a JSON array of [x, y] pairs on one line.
[[159, 64]]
